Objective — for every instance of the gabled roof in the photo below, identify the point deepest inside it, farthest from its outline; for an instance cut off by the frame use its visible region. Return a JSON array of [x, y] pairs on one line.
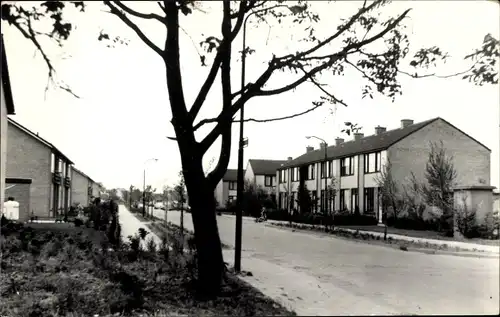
[[85, 175], [265, 167], [231, 175], [39, 138], [7, 90], [367, 144]]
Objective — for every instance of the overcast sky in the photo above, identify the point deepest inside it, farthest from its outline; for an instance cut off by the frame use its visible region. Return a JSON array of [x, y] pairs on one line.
[[124, 116]]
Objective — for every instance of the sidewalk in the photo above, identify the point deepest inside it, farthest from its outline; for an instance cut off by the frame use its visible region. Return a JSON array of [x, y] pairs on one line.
[[130, 226], [463, 245]]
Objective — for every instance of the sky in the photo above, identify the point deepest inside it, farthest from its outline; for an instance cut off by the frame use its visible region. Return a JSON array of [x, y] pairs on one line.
[[123, 116]]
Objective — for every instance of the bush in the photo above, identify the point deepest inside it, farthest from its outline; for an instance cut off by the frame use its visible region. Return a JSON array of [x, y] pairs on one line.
[[278, 214], [354, 220], [413, 224]]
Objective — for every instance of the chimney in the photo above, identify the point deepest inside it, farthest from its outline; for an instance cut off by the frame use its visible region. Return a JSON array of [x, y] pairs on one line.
[[322, 145], [358, 136], [309, 149], [339, 141], [379, 130], [289, 158], [406, 123]]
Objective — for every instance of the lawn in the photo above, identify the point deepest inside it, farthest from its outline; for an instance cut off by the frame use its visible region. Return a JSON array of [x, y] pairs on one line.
[[59, 270], [420, 234]]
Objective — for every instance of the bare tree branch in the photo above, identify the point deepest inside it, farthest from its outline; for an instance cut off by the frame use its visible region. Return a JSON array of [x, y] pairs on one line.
[[254, 89], [138, 14], [216, 175], [207, 85], [436, 75], [31, 35], [134, 27]]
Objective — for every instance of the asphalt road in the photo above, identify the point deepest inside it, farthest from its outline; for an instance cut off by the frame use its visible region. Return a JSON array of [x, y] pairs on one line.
[[401, 282]]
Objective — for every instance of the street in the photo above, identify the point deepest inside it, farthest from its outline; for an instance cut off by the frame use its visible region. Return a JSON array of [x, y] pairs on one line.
[[362, 278]]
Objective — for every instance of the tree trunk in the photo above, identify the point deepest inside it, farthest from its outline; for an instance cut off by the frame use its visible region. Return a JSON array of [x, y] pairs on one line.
[[208, 243]]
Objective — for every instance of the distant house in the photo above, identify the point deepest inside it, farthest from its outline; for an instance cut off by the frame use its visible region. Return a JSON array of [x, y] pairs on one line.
[[262, 173], [225, 192], [354, 165], [83, 188], [6, 108], [32, 159]]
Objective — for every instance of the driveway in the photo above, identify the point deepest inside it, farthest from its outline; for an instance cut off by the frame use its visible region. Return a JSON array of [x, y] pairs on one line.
[[358, 278]]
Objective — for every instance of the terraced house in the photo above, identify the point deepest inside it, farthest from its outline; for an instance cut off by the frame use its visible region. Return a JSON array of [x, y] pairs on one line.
[[352, 167], [262, 173], [38, 174], [225, 192], [83, 188]]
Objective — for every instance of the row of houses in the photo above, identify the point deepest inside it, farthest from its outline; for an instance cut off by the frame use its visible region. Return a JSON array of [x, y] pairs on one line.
[[352, 167], [34, 171]]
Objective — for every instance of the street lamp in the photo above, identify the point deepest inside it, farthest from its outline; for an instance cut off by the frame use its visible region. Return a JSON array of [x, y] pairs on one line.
[[144, 187], [239, 194], [325, 170]]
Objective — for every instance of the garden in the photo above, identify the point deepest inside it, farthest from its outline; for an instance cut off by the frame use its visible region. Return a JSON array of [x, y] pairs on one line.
[[82, 269]]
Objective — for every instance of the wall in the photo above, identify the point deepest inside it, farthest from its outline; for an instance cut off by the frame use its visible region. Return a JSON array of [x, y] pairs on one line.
[[79, 188], [471, 160], [21, 193], [96, 190], [3, 146], [249, 174], [29, 158]]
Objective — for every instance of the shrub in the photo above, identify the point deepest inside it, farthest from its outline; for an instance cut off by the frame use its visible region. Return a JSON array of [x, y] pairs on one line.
[[354, 220], [279, 214], [151, 245]]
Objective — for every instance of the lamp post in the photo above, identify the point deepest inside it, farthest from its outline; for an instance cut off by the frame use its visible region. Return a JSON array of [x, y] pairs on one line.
[[325, 170], [144, 187], [239, 192]]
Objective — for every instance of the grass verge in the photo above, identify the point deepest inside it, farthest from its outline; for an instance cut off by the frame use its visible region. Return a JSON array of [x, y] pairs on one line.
[[59, 270], [361, 236]]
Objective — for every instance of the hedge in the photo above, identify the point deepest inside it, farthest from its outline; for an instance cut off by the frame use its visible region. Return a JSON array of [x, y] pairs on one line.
[[318, 218]]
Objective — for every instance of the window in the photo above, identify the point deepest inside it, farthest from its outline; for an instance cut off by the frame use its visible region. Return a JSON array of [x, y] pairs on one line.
[[323, 170], [281, 177], [331, 200], [52, 163], [347, 166], [330, 169], [373, 162], [268, 181], [314, 198], [59, 165], [69, 172], [343, 200], [310, 171], [354, 200], [295, 174], [231, 199], [232, 185], [369, 200]]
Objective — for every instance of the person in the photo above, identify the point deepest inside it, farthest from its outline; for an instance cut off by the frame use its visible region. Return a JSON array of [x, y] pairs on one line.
[[263, 213], [11, 209]]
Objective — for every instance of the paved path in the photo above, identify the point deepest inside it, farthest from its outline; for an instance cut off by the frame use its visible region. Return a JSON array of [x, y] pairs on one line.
[[318, 274], [130, 226]]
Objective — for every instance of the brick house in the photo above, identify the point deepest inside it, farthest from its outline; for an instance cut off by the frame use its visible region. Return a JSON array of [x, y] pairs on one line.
[[32, 158], [6, 108], [225, 191], [83, 188], [354, 165]]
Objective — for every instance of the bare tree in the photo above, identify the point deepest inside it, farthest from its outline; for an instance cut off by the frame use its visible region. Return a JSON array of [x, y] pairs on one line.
[[347, 46], [440, 174], [180, 190], [388, 193]]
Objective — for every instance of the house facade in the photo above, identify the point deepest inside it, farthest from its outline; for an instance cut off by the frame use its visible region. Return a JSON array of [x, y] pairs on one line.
[[30, 158], [262, 174], [83, 188], [225, 191], [6, 108], [353, 167]]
